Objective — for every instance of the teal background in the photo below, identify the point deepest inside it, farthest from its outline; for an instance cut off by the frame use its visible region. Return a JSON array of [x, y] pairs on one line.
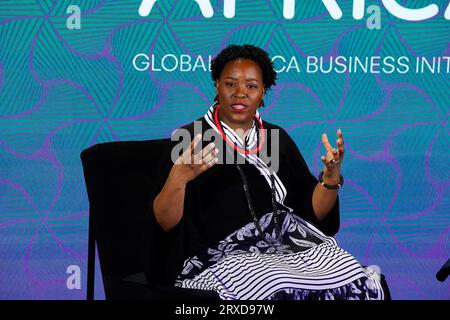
[[63, 90]]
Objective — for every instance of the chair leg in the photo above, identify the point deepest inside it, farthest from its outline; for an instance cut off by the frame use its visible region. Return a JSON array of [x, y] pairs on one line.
[[91, 260], [384, 285]]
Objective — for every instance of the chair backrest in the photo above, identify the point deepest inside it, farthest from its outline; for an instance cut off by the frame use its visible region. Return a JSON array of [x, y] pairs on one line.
[[121, 178]]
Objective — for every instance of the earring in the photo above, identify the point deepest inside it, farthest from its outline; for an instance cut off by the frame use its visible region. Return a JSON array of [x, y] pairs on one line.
[[216, 99], [261, 104]]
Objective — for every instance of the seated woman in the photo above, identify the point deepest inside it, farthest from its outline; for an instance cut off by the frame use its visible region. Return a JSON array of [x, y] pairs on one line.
[[247, 228]]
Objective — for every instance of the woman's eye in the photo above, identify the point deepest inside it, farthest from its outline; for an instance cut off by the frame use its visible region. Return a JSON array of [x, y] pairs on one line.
[[252, 86], [229, 84]]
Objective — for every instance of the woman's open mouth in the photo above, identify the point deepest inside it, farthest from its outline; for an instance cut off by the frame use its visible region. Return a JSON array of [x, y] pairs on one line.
[[239, 107]]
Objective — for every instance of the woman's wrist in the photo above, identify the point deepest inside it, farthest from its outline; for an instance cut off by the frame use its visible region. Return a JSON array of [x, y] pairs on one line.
[[331, 181], [177, 177], [331, 178]]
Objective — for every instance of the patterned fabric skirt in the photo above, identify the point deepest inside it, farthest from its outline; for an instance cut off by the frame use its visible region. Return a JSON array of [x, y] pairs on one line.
[[300, 263]]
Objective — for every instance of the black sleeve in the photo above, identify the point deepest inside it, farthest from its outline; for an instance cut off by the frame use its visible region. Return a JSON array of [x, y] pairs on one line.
[[301, 184], [165, 255]]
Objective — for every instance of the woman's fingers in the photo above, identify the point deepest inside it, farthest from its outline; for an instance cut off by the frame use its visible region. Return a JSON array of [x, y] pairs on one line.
[[208, 165], [326, 143], [188, 156], [210, 152], [340, 142], [331, 152], [329, 161], [194, 150], [334, 155], [210, 159], [340, 136], [210, 148], [196, 160], [205, 155]]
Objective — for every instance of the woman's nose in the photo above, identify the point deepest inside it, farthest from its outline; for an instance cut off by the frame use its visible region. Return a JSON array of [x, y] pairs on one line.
[[240, 91]]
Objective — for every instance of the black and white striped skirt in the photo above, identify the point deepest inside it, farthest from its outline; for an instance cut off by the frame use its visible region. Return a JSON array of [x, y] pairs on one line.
[[300, 263]]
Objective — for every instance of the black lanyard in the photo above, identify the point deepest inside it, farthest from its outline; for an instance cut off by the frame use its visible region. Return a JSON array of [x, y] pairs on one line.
[[275, 211], [252, 209]]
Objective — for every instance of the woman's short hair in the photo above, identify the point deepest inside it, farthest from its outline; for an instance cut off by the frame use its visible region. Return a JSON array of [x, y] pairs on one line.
[[246, 51]]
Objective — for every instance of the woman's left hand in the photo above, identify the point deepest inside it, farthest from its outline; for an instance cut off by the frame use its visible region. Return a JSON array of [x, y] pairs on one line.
[[333, 159]]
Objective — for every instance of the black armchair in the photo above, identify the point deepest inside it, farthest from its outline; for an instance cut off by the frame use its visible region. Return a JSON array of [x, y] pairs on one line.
[[121, 179]]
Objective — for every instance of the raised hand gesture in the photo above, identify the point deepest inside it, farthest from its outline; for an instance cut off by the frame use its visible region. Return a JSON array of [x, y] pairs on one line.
[[333, 159], [190, 164]]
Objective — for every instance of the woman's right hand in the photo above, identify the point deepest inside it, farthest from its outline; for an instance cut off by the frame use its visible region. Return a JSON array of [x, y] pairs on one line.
[[190, 164]]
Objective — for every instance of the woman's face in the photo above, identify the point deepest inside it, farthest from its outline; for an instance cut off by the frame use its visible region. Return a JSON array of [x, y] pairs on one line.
[[240, 90]]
